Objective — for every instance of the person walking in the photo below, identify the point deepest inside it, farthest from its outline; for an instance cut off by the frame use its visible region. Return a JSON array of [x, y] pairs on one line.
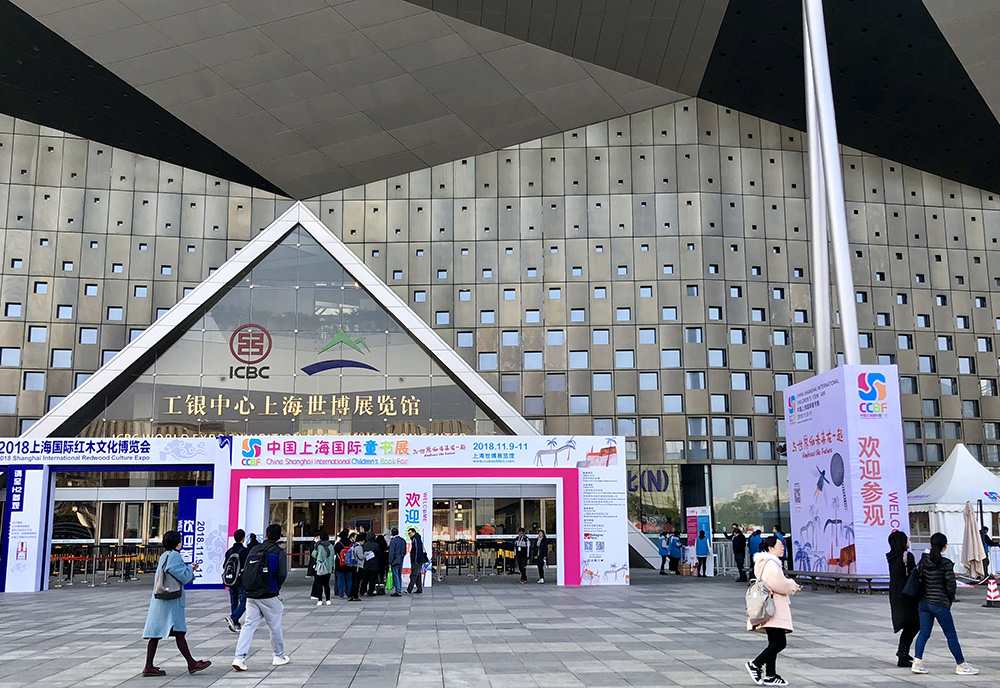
[[988, 542], [234, 561], [767, 568], [739, 543], [521, 554], [702, 550], [325, 559], [397, 550], [371, 566], [342, 574], [937, 581], [315, 592], [418, 557], [753, 544], [355, 560], [541, 553], [167, 615], [663, 545], [905, 619], [265, 573], [675, 552]]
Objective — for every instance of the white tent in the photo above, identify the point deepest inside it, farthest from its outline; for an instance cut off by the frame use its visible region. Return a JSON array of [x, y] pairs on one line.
[[960, 479]]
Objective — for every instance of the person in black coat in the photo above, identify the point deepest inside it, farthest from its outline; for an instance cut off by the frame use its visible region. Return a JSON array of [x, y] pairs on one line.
[[984, 534], [418, 557], [739, 542], [905, 619]]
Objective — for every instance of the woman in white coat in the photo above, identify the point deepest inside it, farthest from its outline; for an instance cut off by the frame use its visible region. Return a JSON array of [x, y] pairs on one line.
[[767, 568]]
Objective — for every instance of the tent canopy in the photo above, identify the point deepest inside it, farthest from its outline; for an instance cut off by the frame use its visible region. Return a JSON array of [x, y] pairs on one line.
[[961, 479]]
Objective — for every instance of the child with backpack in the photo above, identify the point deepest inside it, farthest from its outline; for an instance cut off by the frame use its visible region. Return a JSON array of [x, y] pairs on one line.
[[235, 560], [324, 558], [264, 574]]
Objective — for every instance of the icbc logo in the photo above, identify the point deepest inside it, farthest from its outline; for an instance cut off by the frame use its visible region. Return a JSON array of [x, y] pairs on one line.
[[250, 344]]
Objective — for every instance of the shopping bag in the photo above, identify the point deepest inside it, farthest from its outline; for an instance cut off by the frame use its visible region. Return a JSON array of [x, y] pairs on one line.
[[388, 580]]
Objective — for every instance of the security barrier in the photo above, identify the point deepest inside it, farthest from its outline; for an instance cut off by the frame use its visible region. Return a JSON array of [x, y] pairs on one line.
[[94, 565]]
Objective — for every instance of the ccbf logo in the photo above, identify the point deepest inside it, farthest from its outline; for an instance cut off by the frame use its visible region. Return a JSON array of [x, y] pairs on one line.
[[872, 390], [251, 451], [250, 344], [792, 406]]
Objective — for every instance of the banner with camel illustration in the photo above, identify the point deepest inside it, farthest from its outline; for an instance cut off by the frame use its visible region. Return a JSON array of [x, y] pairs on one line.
[[846, 472]]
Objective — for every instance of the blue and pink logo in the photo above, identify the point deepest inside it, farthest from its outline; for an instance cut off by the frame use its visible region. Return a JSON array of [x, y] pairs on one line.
[[251, 448], [872, 391], [792, 405]]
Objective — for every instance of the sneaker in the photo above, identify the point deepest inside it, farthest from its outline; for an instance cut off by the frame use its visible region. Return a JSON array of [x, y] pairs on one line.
[[329, 602], [754, 671], [280, 661], [319, 603], [966, 669], [313, 597], [232, 625], [540, 580], [919, 667], [239, 665], [773, 681]]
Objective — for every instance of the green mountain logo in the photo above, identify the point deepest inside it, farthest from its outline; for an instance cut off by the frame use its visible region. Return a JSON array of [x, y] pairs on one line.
[[341, 337]]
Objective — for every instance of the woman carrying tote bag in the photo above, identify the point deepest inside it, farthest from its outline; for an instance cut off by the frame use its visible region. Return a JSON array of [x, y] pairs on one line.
[[167, 614], [767, 570]]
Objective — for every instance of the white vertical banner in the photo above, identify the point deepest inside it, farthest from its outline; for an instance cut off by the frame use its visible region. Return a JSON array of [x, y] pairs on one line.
[[603, 513], [877, 469], [27, 554], [415, 511]]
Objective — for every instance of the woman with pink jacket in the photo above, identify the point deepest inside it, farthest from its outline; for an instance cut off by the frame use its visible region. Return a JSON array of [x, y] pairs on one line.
[[767, 568]]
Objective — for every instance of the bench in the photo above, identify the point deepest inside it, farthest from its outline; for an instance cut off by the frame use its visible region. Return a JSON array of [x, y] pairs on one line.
[[859, 581]]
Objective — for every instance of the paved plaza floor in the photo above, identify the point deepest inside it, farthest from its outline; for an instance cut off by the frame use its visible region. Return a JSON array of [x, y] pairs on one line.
[[661, 631]]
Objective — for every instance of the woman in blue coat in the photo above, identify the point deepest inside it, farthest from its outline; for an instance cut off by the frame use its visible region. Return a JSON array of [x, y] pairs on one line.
[[168, 617]]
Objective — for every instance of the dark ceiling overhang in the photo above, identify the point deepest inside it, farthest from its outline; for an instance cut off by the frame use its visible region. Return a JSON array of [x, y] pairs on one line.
[[46, 80]]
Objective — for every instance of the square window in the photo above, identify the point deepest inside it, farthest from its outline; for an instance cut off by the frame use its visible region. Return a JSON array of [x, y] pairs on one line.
[[116, 313], [134, 333], [949, 386], [926, 364], [577, 271], [625, 403], [718, 403], [882, 319], [962, 322], [782, 381], [41, 288], [67, 266], [762, 403], [579, 359], [735, 292], [760, 358], [140, 291], [397, 275], [33, 381], [970, 409], [720, 427], [622, 271], [603, 426], [648, 381], [601, 382], [80, 378], [510, 338], [624, 358], [419, 296], [670, 358], [64, 312], [669, 313], [487, 360], [54, 400], [600, 293], [645, 292], [668, 269], [693, 335], [534, 406], [800, 316], [107, 355], [904, 341], [694, 379], [717, 358], [579, 404], [907, 384], [626, 427], [757, 315], [16, 263], [902, 298], [487, 273], [509, 294], [555, 293], [8, 404], [465, 340], [649, 427], [88, 335], [442, 317], [692, 290], [61, 358], [780, 337], [714, 313], [600, 337], [465, 295], [38, 333], [532, 316], [737, 335], [532, 272], [161, 312], [697, 427], [577, 315], [984, 344], [623, 314], [533, 360], [647, 335], [864, 340], [166, 270], [673, 403], [510, 382], [10, 356], [487, 317], [929, 407], [739, 381], [90, 290], [555, 338], [442, 274], [13, 310], [966, 365], [777, 294]]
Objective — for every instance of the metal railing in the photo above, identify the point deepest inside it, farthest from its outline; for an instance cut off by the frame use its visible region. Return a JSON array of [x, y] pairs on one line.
[[92, 565]]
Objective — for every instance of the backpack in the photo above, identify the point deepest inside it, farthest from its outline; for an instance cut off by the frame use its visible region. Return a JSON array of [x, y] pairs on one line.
[[231, 570], [256, 576], [760, 602], [342, 556], [324, 566], [356, 555]]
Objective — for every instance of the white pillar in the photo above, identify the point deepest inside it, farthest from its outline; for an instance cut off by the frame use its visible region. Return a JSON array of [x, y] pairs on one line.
[[815, 44], [819, 234], [254, 517]]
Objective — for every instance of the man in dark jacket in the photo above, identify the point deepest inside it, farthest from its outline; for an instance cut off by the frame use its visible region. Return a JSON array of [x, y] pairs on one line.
[[237, 594], [418, 557], [739, 541], [988, 542], [265, 573], [371, 566], [397, 550]]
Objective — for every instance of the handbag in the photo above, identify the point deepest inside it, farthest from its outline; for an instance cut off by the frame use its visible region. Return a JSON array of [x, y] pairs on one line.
[[760, 602], [388, 580], [914, 586], [165, 586]]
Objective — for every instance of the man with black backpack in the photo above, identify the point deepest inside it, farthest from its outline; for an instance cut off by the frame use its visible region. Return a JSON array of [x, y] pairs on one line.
[[235, 560], [265, 572]]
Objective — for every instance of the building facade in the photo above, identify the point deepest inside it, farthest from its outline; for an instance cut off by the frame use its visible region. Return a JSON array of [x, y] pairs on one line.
[[646, 276]]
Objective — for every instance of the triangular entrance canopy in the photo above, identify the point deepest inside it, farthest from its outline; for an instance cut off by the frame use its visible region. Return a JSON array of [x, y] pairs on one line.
[[960, 479], [292, 335]]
